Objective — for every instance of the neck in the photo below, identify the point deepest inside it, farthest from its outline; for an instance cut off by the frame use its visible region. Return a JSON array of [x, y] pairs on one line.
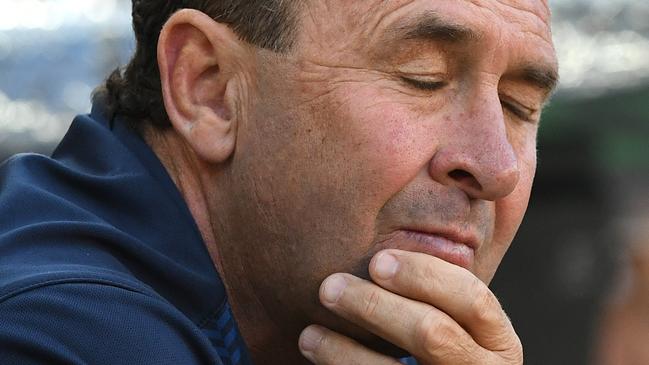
[[192, 177], [187, 173]]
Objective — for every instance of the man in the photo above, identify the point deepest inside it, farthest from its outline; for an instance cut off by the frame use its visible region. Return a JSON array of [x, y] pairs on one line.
[[354, 170]]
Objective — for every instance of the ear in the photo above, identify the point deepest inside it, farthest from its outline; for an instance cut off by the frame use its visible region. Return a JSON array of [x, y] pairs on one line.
[[197, 59]]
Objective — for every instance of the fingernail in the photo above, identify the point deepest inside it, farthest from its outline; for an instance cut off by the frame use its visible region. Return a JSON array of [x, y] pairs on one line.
[[310, 340], [386, 266], [333, 288]]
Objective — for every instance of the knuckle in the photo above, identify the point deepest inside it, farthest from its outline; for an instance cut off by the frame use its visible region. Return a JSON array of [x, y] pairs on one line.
[[371, 304], [485, 307], [435, 335]]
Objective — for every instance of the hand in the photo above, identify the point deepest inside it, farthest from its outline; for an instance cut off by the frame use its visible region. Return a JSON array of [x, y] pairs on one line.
[[437, 311]]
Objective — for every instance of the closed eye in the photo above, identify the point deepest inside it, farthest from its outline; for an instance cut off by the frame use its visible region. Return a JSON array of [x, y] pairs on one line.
[[521, 113], [423, 84]]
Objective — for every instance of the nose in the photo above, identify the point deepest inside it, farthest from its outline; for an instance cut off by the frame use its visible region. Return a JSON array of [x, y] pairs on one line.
[[476, 156]]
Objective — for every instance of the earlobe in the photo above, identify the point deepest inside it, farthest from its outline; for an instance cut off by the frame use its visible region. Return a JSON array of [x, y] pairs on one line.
[[196, 61]]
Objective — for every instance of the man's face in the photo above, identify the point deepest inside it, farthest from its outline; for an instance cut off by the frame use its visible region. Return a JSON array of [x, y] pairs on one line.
[[392, 124]]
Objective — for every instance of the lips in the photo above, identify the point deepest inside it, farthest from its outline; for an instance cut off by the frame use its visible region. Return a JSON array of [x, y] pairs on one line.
[[451, 247]]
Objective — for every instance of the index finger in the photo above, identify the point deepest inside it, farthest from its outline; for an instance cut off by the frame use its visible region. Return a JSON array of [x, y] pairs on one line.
[[450, 288]]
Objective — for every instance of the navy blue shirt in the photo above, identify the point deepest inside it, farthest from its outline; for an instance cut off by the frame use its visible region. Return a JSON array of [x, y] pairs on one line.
[[101, 261]]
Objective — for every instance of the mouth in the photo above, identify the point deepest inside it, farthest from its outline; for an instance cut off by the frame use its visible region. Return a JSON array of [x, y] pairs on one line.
[[451, 247]]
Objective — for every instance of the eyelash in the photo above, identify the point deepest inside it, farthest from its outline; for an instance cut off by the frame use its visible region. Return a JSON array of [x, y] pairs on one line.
[[424, 85], [434, 86], [518, 112]]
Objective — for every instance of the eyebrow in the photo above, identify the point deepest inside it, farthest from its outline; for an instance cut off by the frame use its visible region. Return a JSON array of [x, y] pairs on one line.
[[430, 26], [545, 78]]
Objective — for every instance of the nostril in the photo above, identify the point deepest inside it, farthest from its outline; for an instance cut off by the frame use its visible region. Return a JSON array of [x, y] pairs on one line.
[[465, 178]]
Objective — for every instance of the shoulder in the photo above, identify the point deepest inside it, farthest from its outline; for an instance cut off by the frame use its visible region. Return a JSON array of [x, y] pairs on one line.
[[91, 271], [97, 322]]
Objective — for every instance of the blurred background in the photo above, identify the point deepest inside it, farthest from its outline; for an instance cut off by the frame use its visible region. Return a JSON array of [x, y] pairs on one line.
[[574, 273]]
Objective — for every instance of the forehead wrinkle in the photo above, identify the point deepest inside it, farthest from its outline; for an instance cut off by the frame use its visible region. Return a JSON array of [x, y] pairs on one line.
[[387, 14], [535, 23], [542, 17], [361, 18]]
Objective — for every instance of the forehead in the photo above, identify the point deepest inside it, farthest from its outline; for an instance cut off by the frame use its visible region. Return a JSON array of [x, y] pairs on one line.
[[537, 12], [341, 21]]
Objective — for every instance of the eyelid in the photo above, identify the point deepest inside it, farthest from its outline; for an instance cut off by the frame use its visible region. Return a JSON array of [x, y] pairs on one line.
[[518, 109], [423, 83]]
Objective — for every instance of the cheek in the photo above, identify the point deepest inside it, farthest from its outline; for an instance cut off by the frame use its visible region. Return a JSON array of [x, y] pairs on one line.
[[388, 143], [320, 174]]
